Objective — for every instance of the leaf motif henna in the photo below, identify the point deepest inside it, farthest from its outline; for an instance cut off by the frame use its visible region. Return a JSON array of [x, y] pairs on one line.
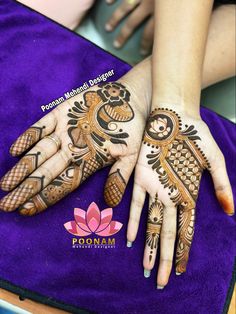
[[155, 218], [114, 189]]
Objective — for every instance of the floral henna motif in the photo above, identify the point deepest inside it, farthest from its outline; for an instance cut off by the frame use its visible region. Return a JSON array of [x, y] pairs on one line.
[[179, 163], [21, 170], [94, 123], [27, 139], [114, 189], [155, 218]]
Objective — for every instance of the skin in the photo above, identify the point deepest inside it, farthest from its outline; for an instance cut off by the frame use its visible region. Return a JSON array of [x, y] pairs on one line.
[[177, 68], [46, 152], [84, 134]]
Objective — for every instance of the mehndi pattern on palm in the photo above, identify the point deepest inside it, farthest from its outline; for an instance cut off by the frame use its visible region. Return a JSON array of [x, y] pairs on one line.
[[94, 124], [178, 162]]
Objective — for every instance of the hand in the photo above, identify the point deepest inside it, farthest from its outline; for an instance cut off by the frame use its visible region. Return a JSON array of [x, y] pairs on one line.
[[176, 149], [139, 11], [97, 128]]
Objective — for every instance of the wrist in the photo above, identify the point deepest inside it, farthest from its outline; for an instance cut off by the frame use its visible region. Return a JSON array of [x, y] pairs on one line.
[[179, 105], [138, 82]]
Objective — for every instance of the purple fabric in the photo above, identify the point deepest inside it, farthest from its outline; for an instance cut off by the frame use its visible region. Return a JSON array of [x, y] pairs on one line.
[[39, 61]]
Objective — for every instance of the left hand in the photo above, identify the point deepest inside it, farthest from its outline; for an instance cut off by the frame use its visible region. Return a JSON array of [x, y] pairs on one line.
[[176, 149], [97, 128], [138, 11]]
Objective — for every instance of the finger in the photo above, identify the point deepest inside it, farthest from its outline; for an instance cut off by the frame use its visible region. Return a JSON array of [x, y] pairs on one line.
[[154, 223], [65, 183], [138, 199], [31, 161], [119, 14], [222, 185], [36, 182], [147, 37], [168, 235], [185, 236], [117, 180], [133, 21], [43, 127]]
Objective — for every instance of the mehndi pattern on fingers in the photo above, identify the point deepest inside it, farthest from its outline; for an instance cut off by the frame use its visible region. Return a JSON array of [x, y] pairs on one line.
[[61, 186], [154, 223], [185, 237], [21, 170], [114, 188], [27, 189], [26, 140]]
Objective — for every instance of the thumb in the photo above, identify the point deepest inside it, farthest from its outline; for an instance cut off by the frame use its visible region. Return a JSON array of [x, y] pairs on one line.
[[118, 178], [222, 184]]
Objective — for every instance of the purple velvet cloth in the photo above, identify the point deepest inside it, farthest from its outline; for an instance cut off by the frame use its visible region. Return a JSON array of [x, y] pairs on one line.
[[39, 61]]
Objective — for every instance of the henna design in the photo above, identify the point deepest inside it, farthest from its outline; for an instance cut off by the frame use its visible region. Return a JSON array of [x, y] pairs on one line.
[[155, 218], [175, 157], [179, 163], [114, 189], [21, 170], [93, 122], [21, 194], [65, 183], [185, 237], [27, 139]]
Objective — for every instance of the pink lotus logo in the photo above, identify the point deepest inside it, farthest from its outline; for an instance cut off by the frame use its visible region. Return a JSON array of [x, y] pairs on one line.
[[93, 221]]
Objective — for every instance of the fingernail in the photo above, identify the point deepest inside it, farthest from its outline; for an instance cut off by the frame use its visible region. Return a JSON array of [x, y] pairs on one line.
[[146, 273], [116, 44], [108, 27], [109, 1], [129, 244], [178, 274], [160, 287], [143, 52]]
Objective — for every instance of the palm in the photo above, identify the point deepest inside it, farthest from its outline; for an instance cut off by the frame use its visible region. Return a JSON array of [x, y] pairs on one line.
[[93, 130]]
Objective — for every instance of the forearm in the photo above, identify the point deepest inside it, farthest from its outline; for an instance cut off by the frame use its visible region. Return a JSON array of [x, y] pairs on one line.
[[219, 62], [181, 30]]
